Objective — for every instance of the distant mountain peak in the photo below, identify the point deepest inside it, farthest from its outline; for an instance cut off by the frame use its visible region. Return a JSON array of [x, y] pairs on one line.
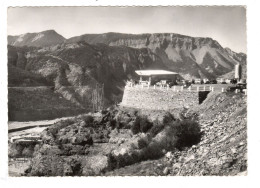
[[40, 39]]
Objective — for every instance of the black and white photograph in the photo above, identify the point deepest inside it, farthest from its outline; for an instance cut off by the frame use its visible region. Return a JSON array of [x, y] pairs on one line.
[[127, 91]]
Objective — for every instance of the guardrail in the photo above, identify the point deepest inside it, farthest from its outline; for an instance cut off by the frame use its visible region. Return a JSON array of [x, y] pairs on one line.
[[174, 88], [182, 88]]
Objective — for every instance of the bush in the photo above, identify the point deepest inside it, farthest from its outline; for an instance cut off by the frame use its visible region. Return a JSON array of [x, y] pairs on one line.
[[187, 132], [173, 135], [142, 143], [156, 128], [88, 119], [119, 161], [152, 151], [111, 124], [141, 124], [177, 134], [60, 125], [135, 128], [168, 117]]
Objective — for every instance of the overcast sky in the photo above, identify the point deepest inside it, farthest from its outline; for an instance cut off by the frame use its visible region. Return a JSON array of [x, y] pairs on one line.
[[227, 25]]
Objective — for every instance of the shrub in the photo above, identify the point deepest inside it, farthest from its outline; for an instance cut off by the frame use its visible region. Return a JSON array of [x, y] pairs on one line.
[[145, 125], [168, 117], [47, 165], [119, 161], [60, 125], [152, 151], [88, 119], [187, 132], [136, 127], [141, 124], [174, 135], [142, 143], [111, 123], [28, 151], [156, 128], [177, 134]]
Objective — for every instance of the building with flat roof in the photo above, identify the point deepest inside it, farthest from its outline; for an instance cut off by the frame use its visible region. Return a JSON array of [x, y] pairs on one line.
[[154, 76]]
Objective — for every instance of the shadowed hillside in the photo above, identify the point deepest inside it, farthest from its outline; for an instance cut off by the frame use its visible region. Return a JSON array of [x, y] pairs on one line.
[[75, 69]]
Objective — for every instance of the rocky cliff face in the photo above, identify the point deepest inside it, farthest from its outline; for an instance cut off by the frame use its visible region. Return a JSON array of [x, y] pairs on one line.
[[192, 57]]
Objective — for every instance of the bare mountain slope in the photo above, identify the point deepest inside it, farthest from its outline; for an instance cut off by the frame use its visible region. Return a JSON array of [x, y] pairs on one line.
[[74, 69], [193, 57], [44, 38]]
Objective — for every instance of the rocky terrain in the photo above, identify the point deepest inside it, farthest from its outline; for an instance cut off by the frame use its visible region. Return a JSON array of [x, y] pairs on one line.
[[222, 150], [207, 139]]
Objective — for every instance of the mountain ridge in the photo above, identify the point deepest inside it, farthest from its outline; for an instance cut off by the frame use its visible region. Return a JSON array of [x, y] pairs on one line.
[[178, 52], [81, 37], [37, 39], [74, 68]]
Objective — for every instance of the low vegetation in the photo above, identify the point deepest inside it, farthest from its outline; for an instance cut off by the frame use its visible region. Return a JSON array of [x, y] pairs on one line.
[[141, 124], [113, 141], [147, 139]]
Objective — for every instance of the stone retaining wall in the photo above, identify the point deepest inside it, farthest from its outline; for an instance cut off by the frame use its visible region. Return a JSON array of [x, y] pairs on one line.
[[161, 99]]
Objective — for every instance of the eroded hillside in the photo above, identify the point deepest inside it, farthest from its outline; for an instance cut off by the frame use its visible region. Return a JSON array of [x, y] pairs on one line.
[[192, 57], [208, 139]]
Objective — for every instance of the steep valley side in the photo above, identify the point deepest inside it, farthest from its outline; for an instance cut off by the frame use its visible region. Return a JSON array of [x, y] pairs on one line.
[[74, 70]]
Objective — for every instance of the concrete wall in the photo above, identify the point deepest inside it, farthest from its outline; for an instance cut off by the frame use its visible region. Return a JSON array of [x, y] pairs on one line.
[[160, 99]]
